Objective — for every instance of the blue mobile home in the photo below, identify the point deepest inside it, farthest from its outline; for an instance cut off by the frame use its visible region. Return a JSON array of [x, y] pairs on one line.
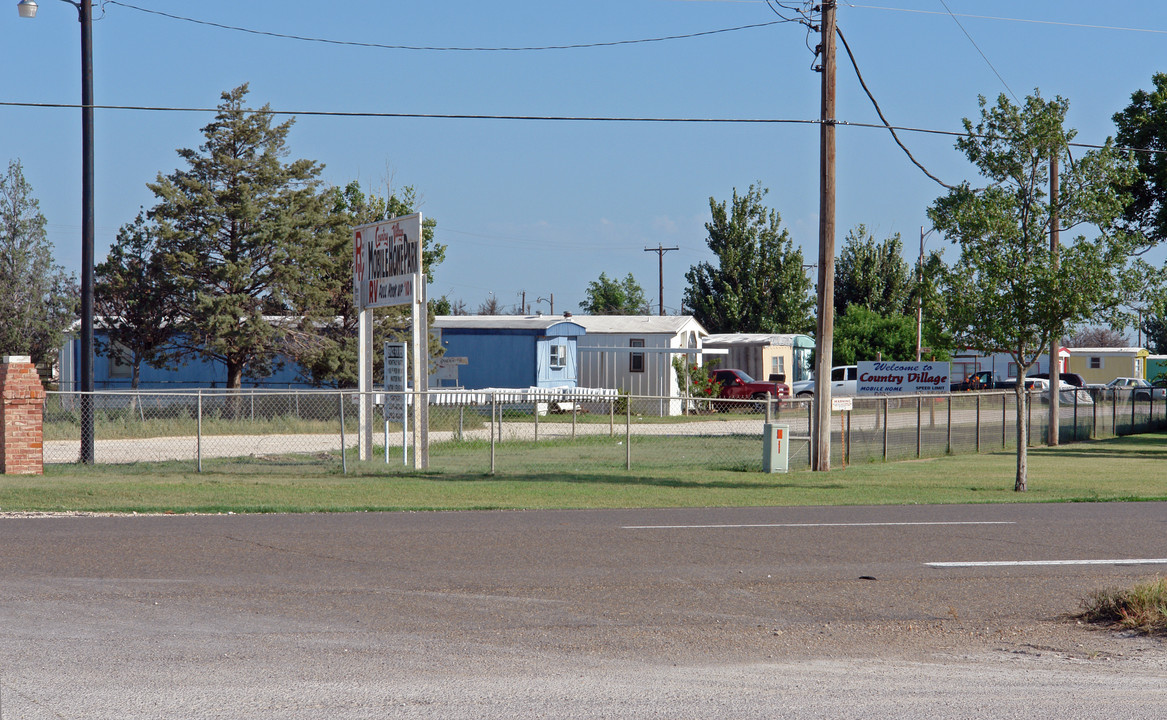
[[512, 351], [193, 372]]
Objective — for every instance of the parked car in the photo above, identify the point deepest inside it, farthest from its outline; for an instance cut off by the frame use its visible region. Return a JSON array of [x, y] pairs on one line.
[[844, 382], [1068, 378], [1139, 388], [738, 385]]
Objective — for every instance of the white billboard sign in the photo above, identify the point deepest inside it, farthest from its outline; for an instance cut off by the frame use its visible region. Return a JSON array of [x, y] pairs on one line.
[[396, 366], [890, 377], [387, 262]]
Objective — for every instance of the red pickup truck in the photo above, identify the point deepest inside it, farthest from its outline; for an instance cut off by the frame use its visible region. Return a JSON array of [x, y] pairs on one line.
[[738, 385]]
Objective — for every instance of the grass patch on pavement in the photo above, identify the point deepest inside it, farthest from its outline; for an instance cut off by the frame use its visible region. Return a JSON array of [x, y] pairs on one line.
[[588, 473], [1142, 607]]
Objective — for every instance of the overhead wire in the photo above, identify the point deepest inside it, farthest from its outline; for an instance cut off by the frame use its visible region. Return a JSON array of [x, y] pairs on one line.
[[1086, 26], [434, 48], [879, 111], [539, 118], [982, 52]]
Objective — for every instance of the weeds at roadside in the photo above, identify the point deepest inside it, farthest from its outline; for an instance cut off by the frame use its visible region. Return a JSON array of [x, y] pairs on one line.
[[1142, 608]]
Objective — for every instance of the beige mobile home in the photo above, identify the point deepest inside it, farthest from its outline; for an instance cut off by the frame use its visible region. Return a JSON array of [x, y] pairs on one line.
[[1101, 365]]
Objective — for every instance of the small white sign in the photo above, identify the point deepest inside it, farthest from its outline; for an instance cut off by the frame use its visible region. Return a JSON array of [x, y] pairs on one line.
[[396, 372], [841, 403]]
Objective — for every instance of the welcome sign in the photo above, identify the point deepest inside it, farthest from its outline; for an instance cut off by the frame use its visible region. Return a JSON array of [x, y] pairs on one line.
[[902, 378], [387, 262]]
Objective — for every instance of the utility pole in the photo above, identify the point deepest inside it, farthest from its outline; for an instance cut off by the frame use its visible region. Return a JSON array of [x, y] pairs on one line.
[[660, 251], [824, 345], [1055, 370], [920, 298]]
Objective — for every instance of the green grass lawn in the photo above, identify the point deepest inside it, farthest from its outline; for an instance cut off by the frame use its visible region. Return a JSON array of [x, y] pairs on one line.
[[590, 473]]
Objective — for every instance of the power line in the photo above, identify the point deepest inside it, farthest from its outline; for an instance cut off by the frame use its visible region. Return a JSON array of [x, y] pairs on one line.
[[982, 52], [381, 46], [879, 112], [546, 118], [1011, 19]]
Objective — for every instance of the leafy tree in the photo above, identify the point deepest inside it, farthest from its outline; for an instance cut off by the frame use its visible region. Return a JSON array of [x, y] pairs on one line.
[[1143, 125], [38, 301], [1009, 290], [864, 334], [759, 284], [243, 232], [1155, 334], [136, 298], [326, 345], [873, 275], [614, 297]]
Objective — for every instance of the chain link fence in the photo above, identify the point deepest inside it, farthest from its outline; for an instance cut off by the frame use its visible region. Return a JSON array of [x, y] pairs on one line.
[[548, 432]]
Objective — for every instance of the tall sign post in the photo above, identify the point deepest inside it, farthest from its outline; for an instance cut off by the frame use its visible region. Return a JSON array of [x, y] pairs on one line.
[[387, 271]]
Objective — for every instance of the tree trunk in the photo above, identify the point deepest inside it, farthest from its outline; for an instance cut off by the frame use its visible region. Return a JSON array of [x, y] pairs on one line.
[[234, 384], [1022, 435]]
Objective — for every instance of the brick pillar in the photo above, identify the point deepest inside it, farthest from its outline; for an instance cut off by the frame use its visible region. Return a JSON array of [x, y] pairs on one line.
[[22, 401]]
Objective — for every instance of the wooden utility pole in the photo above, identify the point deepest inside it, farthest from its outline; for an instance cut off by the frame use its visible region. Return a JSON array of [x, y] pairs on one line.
[[1055, 370], [824, 345], [660, 251]]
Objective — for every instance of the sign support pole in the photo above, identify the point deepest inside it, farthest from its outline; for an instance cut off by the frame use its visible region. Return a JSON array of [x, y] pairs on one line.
[[365, 385]]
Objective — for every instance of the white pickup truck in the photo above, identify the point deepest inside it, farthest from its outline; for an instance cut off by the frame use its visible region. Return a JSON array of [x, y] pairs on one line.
[[844, 382]]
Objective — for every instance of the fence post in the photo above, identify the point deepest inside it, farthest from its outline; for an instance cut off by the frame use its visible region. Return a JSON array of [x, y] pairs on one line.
[[493, 411], [846, 439], [1133, 403], [461, 419], [919, 426], [978, 422], [628, 435], [885, 404], [1004, 418], [199, 433], [767, 420], [612, 418], [1029, 418], [343, 456], [574, 412], [948, 429], [535, 408]]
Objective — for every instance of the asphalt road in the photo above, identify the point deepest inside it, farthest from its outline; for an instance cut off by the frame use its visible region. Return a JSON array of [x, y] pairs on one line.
[[727, 613]]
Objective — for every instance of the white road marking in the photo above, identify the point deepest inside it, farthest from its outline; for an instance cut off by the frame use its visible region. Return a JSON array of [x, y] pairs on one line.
[[813, 525], [1027, 563]]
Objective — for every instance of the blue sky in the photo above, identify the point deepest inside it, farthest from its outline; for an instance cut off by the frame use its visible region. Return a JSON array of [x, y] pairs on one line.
[[546, 206]]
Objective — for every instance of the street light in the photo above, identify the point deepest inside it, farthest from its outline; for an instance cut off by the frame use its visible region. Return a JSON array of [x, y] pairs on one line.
[[27, 9]]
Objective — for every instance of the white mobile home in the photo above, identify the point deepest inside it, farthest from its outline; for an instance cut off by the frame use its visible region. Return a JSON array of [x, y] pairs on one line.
[[634, 354]]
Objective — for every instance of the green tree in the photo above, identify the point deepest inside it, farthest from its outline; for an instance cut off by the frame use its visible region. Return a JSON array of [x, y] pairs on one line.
[[1143, 125], [873, 274], [136, 300], [326, 342], [1009, 290], [607, 296], [1155, 334], [864, 334], [38, 300], [759, 284], [244, 233]]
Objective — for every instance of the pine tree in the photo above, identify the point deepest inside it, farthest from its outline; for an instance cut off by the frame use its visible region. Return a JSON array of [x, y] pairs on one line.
[[38, 300]]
